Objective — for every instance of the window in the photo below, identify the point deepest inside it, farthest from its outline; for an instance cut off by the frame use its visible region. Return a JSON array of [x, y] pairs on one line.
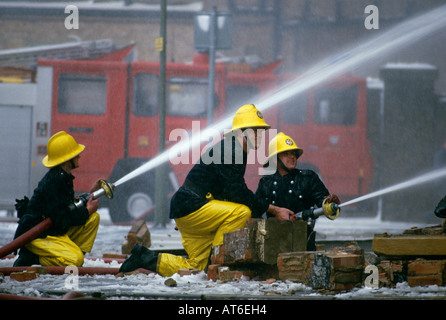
[[187, 97], [237, 96], [335, 106], [145, 94], [82, 94], [295, 109]]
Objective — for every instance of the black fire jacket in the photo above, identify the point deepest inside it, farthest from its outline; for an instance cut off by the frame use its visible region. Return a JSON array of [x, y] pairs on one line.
[[219, 172], [52, 198], [298, 190]]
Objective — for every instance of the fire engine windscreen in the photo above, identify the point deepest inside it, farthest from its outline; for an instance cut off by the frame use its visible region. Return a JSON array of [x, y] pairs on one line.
[[396, 38]]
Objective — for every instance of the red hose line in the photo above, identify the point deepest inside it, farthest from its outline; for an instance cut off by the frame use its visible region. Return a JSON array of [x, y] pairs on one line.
[[28, 236]]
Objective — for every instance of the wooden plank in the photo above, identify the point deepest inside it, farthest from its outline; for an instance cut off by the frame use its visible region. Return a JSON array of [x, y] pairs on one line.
[[409, 245]]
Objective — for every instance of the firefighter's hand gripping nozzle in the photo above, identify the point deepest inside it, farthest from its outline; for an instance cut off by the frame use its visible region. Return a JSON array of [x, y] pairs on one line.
[[105, 189], [329, 209]]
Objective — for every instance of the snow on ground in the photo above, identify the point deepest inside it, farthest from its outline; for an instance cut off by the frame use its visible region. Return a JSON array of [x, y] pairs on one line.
[[152, 286]]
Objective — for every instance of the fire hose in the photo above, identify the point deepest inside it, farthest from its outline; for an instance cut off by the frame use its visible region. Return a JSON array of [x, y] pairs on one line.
[[329, 209], [105, 189]]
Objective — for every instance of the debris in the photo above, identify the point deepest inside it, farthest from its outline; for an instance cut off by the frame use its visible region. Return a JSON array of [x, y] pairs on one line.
[[138, 234], [170, 282], [261, 242], [188, 271], [333, 270], [24, 275]]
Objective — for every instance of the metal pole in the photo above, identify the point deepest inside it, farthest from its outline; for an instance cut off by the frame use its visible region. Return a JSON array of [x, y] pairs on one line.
[[212, 48], [161, 171]]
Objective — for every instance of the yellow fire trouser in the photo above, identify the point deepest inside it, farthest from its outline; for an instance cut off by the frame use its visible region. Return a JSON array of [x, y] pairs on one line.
[[201, 230], [68, 249]]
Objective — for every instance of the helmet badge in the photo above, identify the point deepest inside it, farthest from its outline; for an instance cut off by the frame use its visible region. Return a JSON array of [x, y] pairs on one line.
[[259, 114]]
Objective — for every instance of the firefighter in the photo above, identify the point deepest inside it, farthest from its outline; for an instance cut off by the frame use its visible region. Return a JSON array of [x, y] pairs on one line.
[[73, 229], [440, 211], [295, 189], [213, 200]]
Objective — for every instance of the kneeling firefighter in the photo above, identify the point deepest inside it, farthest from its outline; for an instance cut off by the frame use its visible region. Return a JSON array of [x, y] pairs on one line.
[[73, 228], [295, 189], [213, 200]]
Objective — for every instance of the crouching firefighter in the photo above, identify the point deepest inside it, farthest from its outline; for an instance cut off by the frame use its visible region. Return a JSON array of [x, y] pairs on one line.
[[213, 200], [73, 229], [295, 189]]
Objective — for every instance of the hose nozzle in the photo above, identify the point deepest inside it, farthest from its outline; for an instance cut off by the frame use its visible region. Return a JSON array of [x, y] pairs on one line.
[[329, 209], [105, 189]]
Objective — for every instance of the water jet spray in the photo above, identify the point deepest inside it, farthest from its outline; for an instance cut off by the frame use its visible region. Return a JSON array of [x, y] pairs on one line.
[[398, 37], [331, 210]]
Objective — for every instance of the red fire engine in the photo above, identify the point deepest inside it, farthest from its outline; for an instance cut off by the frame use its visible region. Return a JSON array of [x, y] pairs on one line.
[[111, 106]]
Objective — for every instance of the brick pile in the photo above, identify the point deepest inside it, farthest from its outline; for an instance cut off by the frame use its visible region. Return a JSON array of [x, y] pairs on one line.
[[417, 272], [253, 253], [417, 256], [336, 269]]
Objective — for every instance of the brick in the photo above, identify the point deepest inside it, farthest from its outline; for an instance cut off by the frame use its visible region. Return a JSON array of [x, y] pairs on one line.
[[334, 270], [23, 276], [188, 271], [138, 234], [425, 267], [345, 261], [262, 240], [114, 256], [425, 280], [218, 254], [392, 272], [346, 277], [212, 273], [295, 266], [225, 274]]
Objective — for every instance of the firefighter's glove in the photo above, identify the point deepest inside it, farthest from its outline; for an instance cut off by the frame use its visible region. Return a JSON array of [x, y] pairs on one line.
[[333, 198], [21, 206]]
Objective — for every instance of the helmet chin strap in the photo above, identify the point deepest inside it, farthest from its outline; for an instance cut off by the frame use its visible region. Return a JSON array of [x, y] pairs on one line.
[[249, 144], [73, 165], [282, 165]]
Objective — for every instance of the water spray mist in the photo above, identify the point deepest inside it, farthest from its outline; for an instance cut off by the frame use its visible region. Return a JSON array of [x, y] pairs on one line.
[[395, 38]]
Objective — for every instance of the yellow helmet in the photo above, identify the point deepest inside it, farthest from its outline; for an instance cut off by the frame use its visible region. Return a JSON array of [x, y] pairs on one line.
[[248, 116], [281, 143], [61, 147]]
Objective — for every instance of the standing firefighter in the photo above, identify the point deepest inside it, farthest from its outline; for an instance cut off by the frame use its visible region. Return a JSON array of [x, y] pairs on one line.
[[297, 190], [73, 229], [213, 200]]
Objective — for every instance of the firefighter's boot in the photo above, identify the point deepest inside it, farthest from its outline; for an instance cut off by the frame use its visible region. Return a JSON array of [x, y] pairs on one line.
[[141, 258], [26, 258]]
